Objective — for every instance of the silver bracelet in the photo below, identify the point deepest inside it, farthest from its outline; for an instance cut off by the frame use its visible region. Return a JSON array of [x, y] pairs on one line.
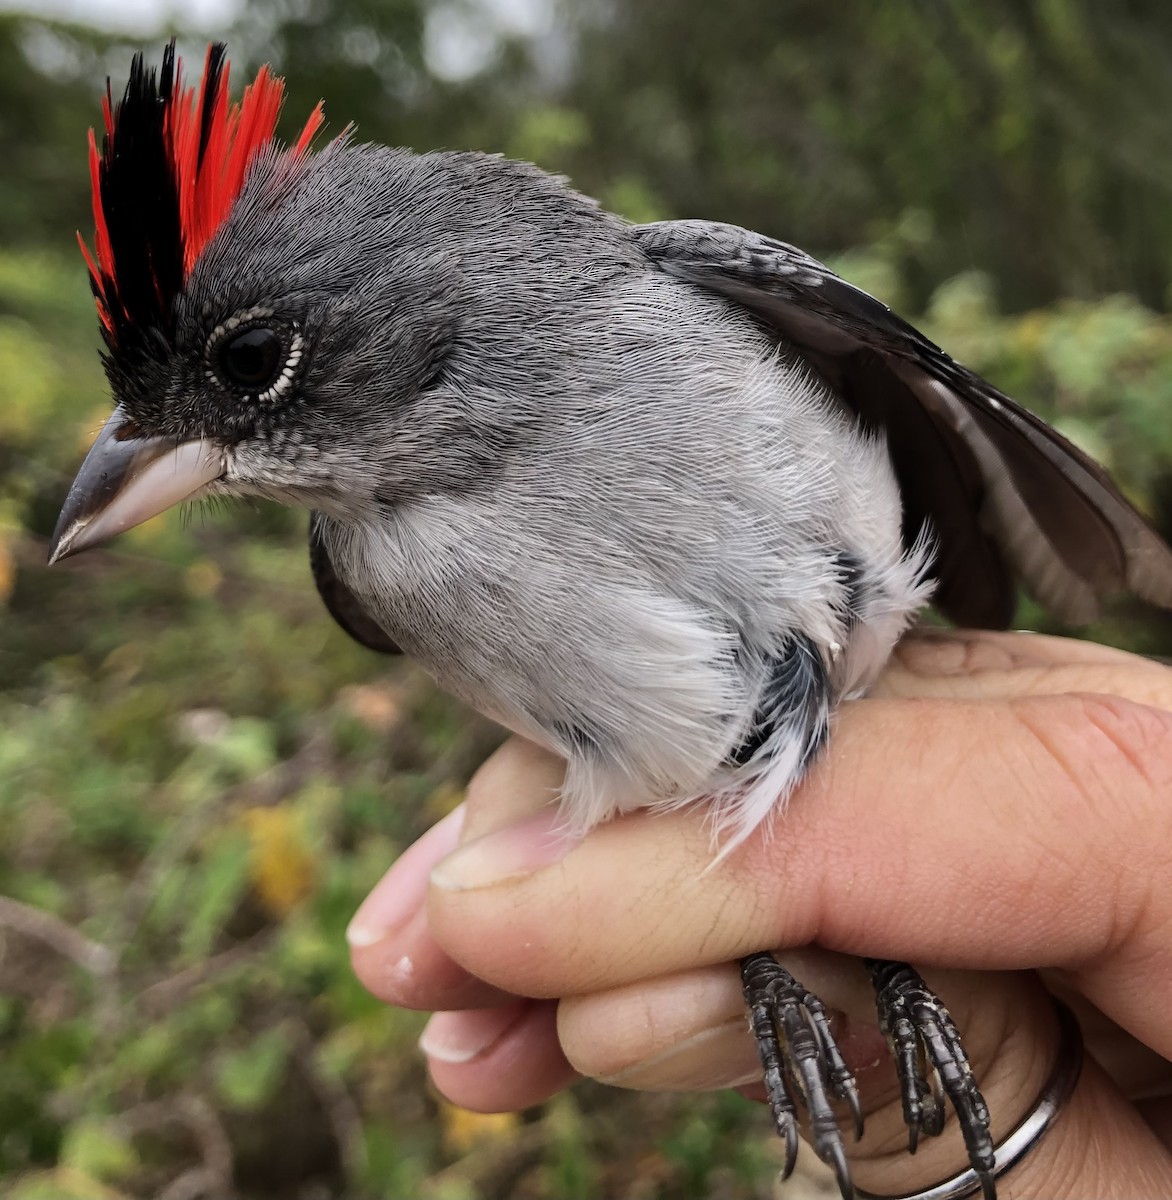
[[1028, 1132]]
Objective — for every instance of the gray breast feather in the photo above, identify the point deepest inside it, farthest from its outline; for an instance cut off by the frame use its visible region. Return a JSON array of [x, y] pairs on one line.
[[674, 519]]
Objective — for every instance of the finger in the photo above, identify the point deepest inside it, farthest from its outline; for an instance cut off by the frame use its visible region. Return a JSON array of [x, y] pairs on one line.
[[1098, 1146], [391, 947], [1048, 855], [955, 651], [978, 665], [1158, 1115], [1135, 1069], [688, 1032], [519, 779], [392, 950], [497, 1060]]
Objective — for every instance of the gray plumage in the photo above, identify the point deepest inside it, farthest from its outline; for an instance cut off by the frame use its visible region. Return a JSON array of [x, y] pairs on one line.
[[627, 490], [658, 497]]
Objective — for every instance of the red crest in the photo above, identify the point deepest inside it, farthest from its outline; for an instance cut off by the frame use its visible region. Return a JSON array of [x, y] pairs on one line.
[[171, 166]]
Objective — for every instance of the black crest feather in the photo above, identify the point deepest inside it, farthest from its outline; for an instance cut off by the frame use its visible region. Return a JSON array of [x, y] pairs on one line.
[[136, 193]]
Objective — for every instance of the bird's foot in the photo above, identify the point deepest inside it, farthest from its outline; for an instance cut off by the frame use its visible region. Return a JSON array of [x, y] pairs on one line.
[[802, 1063], [931, 1063]]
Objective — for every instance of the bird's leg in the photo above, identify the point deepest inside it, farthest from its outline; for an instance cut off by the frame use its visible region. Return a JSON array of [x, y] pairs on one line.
[[802, 1063], [931, 1063]]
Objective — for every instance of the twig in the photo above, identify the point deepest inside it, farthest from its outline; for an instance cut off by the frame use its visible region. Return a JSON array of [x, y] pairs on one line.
[[144, 887], [205, 1127], [52, 931], [192, 1184], [164, 995], [343, 1114], [212, 1137], [491, 1166]]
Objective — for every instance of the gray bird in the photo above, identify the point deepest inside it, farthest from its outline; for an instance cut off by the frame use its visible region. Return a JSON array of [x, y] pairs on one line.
[[656, 497]]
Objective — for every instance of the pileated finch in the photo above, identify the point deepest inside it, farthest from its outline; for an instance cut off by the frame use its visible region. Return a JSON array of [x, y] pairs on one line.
[[657, 497]]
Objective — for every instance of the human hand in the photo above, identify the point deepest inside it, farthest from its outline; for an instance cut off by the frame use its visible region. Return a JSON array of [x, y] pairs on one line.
[[1001, 804]]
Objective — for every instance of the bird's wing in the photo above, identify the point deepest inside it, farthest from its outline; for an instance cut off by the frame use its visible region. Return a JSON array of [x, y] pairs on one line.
[[1000, 490], [341, 602]]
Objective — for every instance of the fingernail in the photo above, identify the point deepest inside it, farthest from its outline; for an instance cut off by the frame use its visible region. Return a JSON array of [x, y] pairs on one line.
[[459, 1037], [508, 854], [401, 892], [720, 1057]]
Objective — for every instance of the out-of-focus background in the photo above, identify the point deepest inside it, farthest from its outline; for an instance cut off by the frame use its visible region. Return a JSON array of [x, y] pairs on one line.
[[200, 776]]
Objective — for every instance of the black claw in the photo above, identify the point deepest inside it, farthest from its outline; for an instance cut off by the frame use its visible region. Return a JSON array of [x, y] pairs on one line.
[[934, 1112], [802, 1064], [842, 1082], [856, 1109], [931, 1064], [842, 1173], [790, 1134]]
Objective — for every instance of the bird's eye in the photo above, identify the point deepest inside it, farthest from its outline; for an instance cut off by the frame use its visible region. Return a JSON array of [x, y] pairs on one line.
[[254, 355], [252, 358]]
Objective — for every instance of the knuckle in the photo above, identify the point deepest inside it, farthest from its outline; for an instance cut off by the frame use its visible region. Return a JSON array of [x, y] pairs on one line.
[[1116, 755], [1135, 740]]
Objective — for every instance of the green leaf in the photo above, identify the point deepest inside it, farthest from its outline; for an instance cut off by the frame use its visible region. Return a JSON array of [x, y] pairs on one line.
[[247, 1078], [95, 1147], [223, 879]]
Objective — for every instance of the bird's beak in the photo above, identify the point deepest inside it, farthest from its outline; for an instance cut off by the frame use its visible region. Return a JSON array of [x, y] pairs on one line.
[[127, 479]]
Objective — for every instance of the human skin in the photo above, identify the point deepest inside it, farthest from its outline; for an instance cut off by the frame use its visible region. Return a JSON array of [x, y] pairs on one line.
[[998, 811]]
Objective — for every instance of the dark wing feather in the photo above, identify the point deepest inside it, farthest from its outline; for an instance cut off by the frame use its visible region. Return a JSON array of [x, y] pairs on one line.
[[341, 602], [1002, 491]]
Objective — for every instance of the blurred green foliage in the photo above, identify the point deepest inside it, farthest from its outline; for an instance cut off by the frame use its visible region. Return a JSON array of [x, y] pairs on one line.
[[200, 776]]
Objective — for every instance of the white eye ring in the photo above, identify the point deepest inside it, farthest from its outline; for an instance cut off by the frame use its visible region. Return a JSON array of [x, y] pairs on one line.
[[242, 322], [284, 381]]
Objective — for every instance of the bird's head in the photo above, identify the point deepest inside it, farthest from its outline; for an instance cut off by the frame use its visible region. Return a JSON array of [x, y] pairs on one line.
[[251, 345]]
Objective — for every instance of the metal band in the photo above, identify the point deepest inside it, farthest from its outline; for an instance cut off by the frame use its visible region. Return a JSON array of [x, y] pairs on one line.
[[1028, 1132]]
